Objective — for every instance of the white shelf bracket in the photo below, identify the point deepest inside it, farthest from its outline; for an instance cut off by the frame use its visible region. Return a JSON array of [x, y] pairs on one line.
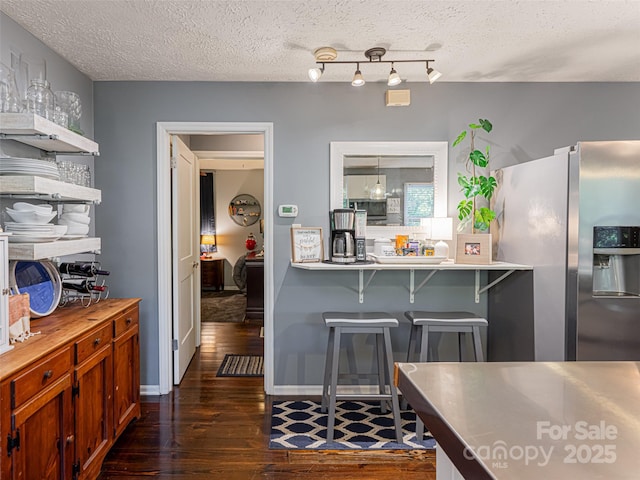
[[363, 286], [413, 290], [488, 286]]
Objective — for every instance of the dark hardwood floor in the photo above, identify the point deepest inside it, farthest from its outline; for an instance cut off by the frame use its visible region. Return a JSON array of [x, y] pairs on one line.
[[218, 428]]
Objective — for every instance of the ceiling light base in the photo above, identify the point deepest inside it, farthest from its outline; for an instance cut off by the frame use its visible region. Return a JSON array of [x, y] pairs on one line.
[[375, 53], [325, 54], [397, 98]]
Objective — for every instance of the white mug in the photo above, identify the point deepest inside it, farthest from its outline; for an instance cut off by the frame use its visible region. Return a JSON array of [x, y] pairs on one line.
[[387, 251]]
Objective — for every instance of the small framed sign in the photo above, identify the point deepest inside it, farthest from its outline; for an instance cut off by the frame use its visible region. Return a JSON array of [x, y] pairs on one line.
[[307, 244], [473, 249]]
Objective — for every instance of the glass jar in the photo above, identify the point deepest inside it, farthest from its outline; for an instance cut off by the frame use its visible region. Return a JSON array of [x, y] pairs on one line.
[[9, 96], [40, 99]]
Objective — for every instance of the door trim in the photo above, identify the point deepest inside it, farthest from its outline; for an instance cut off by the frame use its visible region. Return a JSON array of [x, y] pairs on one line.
[[163, 201]]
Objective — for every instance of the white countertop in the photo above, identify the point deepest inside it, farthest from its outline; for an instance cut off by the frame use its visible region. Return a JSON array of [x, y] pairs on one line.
[[446, 265]]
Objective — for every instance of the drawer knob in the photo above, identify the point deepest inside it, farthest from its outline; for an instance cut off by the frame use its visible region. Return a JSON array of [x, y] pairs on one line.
[[97, 341], [70, 439], [129, 320], [48, 374]]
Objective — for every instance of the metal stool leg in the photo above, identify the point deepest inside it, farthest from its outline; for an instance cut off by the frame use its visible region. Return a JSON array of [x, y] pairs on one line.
[[382, 380], [461, 337], [327, 372], [334, 384], [395, 406], [477, 345]]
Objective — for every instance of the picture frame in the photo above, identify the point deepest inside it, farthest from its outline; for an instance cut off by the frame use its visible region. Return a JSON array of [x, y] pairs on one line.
[[474, 249], [307, 244]]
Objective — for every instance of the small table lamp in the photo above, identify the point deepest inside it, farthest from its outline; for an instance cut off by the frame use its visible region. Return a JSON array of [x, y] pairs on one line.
[[441, 229], [209, 239]]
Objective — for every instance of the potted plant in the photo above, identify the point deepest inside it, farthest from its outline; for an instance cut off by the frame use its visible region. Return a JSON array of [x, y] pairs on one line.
[[475, 187]]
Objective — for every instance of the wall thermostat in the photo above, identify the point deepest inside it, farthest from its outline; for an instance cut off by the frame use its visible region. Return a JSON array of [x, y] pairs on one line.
[[287, 210]]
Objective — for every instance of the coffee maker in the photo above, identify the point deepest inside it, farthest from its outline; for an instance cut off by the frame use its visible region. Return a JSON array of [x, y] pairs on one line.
[[343, 243]]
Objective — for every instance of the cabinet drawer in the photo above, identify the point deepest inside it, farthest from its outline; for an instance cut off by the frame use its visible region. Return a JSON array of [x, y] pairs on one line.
[[40, 376], [91, 343], [125, 321]]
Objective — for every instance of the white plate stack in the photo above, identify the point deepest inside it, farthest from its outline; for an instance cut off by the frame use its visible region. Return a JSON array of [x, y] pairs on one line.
[[76, 218], [29, 166], [31, 223]]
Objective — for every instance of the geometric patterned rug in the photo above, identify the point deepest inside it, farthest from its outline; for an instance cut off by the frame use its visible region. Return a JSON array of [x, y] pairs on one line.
[[359, 425]]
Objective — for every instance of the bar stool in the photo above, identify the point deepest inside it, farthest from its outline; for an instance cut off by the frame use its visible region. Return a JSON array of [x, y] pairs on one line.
[[423, 323], [377, 323]]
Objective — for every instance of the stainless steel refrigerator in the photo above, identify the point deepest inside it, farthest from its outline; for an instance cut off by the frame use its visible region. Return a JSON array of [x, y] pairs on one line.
[[574, 216]]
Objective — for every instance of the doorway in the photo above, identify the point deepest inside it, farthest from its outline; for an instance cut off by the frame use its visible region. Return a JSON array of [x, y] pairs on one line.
[[163, 131]]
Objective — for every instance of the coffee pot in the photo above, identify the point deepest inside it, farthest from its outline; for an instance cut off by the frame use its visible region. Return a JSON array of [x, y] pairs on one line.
[[343, 243]]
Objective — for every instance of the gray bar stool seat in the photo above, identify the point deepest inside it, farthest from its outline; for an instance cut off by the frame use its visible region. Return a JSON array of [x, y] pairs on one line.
[[423, 323], [377, 323]]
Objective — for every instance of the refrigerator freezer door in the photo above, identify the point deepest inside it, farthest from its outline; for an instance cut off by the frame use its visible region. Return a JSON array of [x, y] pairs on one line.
[[609, 195]]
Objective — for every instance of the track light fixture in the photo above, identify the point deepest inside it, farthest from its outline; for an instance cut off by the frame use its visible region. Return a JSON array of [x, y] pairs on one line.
[[316, 73], [358, 80], [432, 74], [326, 55], [394, 78]]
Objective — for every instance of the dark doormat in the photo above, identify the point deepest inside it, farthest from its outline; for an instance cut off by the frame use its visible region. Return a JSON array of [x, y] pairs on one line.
[[241, 366], [359, 426]]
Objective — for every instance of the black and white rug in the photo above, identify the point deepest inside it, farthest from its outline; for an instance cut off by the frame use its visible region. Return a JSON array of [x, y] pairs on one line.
[[359, 425], [241, 366]]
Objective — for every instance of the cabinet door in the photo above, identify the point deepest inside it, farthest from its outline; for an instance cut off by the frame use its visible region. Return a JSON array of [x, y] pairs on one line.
[[126, 370], [93, 409], [44, 429]]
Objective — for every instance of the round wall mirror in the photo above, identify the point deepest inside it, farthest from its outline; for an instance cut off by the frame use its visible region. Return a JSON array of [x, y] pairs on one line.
[[244, 209]]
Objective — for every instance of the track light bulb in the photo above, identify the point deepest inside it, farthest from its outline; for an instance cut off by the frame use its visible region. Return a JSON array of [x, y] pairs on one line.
[[358, 80], [315, 74], [433, 74], [394, 78]]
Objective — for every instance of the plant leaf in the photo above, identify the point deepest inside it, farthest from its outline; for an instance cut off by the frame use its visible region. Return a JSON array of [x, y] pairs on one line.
[[465, 207], [478, 158], [487, 186], [486, 125], [469, 185], [474, 125], [483, 217], [460, 138]]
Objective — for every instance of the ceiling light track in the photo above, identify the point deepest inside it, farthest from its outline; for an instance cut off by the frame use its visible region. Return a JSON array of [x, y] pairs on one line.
[[326, 55]]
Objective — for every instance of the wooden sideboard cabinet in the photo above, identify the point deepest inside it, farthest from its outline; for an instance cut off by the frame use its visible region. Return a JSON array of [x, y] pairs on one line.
[[67, 393]]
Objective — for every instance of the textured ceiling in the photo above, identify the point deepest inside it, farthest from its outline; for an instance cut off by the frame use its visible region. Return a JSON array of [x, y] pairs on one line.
[[271, 40]]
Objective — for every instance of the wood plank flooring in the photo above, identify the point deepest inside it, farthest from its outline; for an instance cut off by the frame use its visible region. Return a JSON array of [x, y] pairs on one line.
[[218, 428]]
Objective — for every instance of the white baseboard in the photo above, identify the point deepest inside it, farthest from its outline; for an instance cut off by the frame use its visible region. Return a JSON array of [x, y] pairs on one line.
[[149, 390]]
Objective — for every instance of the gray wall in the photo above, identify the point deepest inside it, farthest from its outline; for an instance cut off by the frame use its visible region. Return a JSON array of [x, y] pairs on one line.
[[530, 120]]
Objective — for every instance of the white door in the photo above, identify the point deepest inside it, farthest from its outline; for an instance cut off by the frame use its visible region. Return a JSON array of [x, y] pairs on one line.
[[185, 210]]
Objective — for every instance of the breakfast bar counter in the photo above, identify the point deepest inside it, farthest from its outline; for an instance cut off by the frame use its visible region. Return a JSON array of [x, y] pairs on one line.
[[412, 267], [529, 420]]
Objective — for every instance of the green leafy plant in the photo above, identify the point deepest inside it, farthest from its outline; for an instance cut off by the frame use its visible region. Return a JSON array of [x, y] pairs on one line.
[[475, 186]]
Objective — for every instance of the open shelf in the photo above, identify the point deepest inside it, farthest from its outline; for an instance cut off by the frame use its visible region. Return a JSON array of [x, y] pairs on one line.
[[28, 127], [59, 248], [26, 186]]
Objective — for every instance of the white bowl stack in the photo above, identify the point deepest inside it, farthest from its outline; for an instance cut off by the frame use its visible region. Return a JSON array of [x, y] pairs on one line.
[[31, 223], [76, 218]]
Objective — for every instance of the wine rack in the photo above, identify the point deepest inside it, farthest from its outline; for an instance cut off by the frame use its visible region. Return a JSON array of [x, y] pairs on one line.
[[84, 287]]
